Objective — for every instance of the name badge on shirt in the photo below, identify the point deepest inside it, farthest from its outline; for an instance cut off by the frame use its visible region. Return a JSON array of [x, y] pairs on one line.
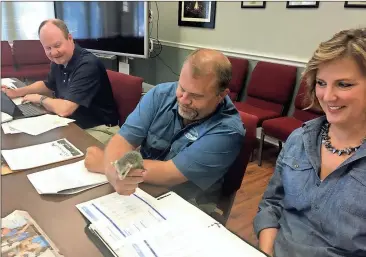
[[191, 134]]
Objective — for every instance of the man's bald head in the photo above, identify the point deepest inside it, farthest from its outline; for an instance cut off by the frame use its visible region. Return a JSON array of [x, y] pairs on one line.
[[55, 22], [56, 41], [205, 62]]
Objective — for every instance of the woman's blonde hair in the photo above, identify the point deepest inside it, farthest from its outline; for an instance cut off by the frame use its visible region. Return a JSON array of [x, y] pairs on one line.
[[346, 43]]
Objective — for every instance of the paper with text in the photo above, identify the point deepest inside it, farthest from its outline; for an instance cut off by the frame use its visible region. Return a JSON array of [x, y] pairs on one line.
[[42, 154], [171, 228], [67, 179], [178, 209], [122, 216], [39, 124], [190, 240]]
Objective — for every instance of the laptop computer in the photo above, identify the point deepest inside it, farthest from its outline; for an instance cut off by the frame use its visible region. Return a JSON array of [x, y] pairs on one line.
[[25, 110]]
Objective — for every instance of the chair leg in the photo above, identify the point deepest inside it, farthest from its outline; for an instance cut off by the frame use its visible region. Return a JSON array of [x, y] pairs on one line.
[[251, 158], [260, 151]]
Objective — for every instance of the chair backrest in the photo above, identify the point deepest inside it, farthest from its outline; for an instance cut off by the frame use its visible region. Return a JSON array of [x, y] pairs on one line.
[[127, 92], [233, 178], [239, 74], [271, 86], [28, 52], [6, 54], [300, 104]]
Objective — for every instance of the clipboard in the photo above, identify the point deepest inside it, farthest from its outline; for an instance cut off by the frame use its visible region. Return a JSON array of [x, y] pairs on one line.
[[98, 242]]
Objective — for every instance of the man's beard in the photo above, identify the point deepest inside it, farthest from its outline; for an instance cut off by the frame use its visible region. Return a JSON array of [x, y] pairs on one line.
[[191, 114]]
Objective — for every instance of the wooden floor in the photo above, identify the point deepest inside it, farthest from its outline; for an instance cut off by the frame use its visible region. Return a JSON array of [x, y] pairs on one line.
[[249, 195]]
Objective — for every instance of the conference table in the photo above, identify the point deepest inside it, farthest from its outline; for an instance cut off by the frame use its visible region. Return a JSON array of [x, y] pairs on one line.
[[56, 214]]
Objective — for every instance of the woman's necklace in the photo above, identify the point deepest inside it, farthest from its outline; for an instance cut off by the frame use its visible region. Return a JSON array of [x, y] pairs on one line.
[[328, 145]]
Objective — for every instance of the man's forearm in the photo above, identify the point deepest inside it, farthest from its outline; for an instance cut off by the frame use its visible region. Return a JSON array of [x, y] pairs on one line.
[[266, 240], [116, 148], [38, 87], [163, 173], [61, 107]]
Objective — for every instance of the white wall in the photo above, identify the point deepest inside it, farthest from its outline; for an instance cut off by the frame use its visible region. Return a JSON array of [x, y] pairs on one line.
[[274, 32]]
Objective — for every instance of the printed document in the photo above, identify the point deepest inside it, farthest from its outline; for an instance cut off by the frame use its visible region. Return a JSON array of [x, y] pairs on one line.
[[39, 124], [122, 216], [67, 179], [140, 225], [38, 155]]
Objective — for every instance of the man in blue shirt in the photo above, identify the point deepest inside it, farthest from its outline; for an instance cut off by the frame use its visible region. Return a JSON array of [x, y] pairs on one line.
[[77, 86], [189, 132]]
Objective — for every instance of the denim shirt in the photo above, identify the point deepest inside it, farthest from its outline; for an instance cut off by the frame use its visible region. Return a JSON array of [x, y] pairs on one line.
[[202, 151], [315, 218]]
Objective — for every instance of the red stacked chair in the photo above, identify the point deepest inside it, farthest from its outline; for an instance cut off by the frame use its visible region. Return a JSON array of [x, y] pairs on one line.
[[7, 62], [31, 59], [269, 91], [127, 92], [239, 74], [280, 128]]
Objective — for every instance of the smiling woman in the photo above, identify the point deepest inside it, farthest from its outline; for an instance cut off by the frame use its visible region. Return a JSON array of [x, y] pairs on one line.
[[314, 203], [341, 91], [336, 78]]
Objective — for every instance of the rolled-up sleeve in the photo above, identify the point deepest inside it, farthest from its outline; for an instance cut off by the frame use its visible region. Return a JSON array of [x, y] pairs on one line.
[[270, 208], [137, 124], [206, 160]]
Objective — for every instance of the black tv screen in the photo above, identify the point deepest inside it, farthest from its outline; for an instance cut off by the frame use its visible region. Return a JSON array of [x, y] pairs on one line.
[[118, 27]]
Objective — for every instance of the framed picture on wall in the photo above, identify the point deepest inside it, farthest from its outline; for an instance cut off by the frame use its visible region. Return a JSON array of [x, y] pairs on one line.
[[302, 4], [253, 4], [199, 14], [355, 4]]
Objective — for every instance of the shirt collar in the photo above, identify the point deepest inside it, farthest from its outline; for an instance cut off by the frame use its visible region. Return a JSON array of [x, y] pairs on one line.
[[311, 135], [72, 62], [217, 110], [314, 125]]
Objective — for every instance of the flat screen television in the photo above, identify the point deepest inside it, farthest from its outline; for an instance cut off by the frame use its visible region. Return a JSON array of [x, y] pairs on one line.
[[118, 27]]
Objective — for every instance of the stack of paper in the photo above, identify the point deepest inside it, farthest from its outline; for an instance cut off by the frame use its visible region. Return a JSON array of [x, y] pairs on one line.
[[5, 117], [68, 179], [39, 155], [9, 83], [9, 130], [140, 225], [35, 125]]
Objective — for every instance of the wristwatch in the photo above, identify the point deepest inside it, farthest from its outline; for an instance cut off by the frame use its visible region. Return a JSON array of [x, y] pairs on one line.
[[42, 99]]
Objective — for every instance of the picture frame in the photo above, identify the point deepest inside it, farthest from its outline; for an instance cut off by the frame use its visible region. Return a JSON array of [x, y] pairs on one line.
[[200, 14], [354, 4], [253, 4], [302, 4]]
